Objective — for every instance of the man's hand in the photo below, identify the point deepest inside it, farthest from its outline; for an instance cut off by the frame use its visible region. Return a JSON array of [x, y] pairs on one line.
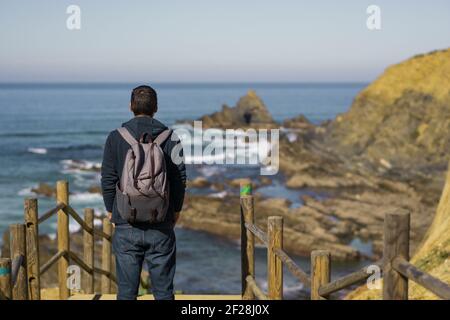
[[176, 217], [109, 215]]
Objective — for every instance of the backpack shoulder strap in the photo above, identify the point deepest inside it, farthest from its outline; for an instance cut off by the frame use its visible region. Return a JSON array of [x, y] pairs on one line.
[[163, 136], [127, 136]]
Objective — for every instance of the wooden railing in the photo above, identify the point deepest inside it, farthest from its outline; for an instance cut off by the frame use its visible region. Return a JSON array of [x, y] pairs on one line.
[[23, 271], [395, 267], [20, 274]]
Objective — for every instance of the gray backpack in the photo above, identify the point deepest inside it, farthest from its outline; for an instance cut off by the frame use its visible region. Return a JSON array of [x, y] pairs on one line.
[[142, 195]]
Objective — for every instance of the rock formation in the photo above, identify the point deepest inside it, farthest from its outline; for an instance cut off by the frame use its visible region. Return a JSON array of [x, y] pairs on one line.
[[402, 119], [249, 111]]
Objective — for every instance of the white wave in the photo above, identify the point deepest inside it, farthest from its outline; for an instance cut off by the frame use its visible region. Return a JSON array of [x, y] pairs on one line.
[[219, 195], [38, 150], [80, 169], [84, 165], [26, 192], [186, 126], [293, 289], [209, 171], [84, 197]]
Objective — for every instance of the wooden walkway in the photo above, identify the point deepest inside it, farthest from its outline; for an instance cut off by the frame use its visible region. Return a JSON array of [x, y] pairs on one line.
[[150, 297]]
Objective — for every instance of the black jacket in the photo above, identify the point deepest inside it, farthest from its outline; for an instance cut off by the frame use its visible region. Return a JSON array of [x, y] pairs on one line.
[[114, 157]]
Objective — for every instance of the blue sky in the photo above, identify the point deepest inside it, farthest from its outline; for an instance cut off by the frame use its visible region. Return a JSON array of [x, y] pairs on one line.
[[220, 41]]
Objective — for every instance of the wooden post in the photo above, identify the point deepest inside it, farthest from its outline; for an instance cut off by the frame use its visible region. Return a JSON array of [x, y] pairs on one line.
[[18, 254], [88, 247], [62, 196], [5, 279], [274, 263], [320, 272], [5, 250], [32, 249], [247, 240], [106, 256], [396, 244]]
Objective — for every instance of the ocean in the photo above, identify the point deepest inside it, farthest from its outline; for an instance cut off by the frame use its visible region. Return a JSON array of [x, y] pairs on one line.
[[50, 132]]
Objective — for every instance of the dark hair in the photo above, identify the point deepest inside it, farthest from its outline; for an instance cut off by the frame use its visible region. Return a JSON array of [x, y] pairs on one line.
[[144, 101]]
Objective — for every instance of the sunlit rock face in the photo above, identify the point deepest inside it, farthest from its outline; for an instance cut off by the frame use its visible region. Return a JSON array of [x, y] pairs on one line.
[[250, 111], [402, 118]]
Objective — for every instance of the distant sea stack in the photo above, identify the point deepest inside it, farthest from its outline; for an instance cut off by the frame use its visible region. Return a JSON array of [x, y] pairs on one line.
[[402, 118], [250, 111]]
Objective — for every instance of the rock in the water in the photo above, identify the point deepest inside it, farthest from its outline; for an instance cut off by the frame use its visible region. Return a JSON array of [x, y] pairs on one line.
[[199, 182], [236, 183], [299, 122], [250, 111], [44, 189], [305, 228]]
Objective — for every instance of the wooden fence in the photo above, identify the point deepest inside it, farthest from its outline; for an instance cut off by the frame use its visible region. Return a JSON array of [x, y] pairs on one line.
[[20, 274], [395, 265]]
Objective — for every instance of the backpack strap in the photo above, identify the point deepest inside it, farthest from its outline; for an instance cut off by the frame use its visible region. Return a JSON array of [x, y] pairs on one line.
[[163, 136], [127, 136]]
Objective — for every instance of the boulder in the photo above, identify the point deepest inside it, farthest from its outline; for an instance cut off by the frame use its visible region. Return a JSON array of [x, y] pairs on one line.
[[199, 182], [250, 111], [298, 122], [236, 183], [44, 189]]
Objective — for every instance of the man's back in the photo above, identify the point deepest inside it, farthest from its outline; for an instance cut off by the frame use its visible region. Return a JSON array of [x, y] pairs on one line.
[[114, 158], [153, 243]]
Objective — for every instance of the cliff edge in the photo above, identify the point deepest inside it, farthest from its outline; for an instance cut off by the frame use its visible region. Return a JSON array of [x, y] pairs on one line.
[[402, 118]]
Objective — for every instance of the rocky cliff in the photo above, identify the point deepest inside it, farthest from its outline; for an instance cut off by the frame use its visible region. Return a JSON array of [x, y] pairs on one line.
[[433, 255], [402, 119]]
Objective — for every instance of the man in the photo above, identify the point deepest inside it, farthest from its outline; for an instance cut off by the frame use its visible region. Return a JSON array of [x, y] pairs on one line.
[[135, 243]]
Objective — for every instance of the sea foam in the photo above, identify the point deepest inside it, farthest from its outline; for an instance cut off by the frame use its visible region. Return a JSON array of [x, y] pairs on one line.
[[37, 150]]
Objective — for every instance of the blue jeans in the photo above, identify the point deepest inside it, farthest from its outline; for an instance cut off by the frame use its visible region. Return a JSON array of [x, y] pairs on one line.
[[132, 246]]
